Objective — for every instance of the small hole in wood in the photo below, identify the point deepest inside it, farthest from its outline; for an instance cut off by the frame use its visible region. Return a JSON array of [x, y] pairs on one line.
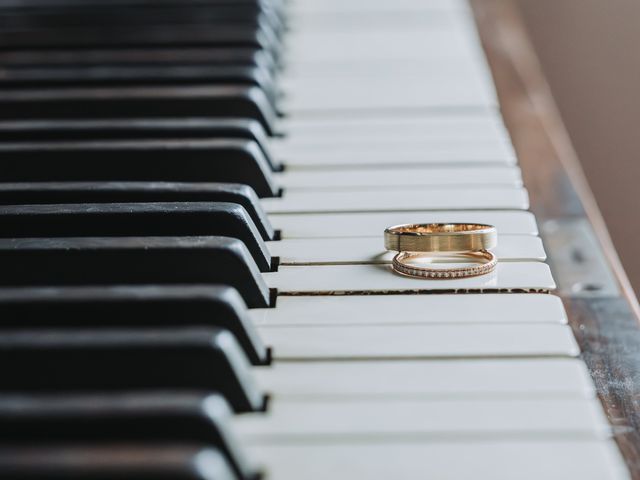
[[587, 287]]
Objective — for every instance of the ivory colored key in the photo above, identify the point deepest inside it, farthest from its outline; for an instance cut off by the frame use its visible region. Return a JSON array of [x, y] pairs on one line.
[[429, 379], [531, 459], [403, 154], [367, 150], [345, 130], [366, 279], [367, 19], [384, 178], [348, 342], [437, 157], [442, 46], [375, 94], [298, 75], [399, 199], [315, 251], [373, 224], [366, 46], [313, 8], [517, 308], [364, 420], [373, 138]]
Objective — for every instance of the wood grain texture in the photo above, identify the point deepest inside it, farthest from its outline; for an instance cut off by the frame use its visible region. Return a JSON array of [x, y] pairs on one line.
[[607, 328]]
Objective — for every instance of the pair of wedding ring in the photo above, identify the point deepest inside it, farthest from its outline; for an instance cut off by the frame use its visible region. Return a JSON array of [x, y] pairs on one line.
[[418, 245]]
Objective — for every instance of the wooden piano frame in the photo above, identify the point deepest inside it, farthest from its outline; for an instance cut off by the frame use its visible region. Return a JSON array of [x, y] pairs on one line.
[[605, 319]]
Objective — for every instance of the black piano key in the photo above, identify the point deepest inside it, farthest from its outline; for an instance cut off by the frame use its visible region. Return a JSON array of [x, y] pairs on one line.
[[138, 128], [135, 219], [156, 417], [218, 160], [133, 306], [116, 461], [133, 261], [31, 4], [90, 360], [139, 101], [129, 192], [172, 16], [101, 76], [139, 57], [229, 36]]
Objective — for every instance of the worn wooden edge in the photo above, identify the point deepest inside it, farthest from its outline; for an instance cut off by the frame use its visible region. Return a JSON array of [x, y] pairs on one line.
[[607, 328]]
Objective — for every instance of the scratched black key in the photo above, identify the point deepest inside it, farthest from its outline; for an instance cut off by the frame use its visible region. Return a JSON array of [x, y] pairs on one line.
[[137, 128], [218, 160], [145, 192], [133, 261], [152, 418], [140, 101], [116, 360], [156, 306]]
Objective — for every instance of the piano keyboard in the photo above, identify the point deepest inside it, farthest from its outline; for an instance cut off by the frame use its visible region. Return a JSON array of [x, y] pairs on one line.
[[194, 284]]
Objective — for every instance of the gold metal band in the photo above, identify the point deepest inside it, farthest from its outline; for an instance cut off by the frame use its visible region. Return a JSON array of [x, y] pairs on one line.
[[440, 237], [402, 264]]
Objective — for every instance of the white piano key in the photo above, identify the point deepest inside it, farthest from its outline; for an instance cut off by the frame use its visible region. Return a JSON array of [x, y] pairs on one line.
[[398, 151], [364, 279], [398, 341], [354, 129], [421, 46], [369, 421], [548, 459], [427, 379], [366, 19], [425, 309], [476, 129], [379, 94], [382, 178], [447, 34], [373, 224], [390, 144], [460, 154], [296, 75], [398, 199], [316, 251], [463, 67], [313, 7]]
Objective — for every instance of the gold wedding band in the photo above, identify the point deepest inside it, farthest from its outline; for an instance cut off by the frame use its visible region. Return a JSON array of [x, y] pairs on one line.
[[488, 261], [440, 237], [468, 242]]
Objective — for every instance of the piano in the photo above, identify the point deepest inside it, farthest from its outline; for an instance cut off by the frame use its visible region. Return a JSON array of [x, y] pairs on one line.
[[193, 284]]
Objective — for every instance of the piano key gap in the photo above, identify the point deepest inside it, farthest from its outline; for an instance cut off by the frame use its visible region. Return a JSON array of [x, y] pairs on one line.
[[447, 291]]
